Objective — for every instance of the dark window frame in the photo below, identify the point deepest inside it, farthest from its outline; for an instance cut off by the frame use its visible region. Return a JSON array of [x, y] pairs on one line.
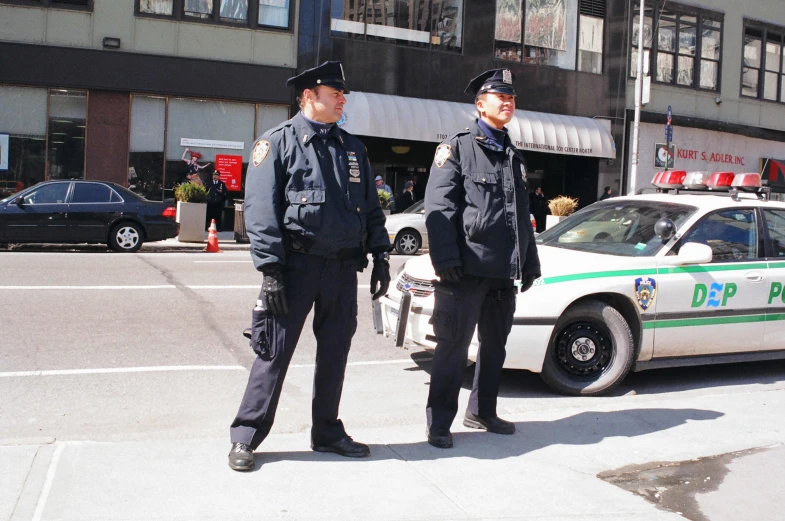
[[764, 30], [700, 14], [178, 15], [760, 245], [52, 4]]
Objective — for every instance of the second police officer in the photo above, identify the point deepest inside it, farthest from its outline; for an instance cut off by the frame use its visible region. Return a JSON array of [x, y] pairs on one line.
[[312, 213], [481, 241]]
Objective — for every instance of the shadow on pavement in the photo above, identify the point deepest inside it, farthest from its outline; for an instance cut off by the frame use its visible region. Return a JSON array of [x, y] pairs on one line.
[[586, 428]]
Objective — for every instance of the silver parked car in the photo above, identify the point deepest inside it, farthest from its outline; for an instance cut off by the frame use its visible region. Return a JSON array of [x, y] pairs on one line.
[[407, 229]]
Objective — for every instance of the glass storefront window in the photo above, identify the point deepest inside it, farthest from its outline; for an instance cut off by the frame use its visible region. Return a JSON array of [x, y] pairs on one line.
[[551, 33], [23, 121], [198, 8], [274, 13], [398, 22], [165, 7], [67, 120], [146, 155], [447, 25], [590, 44], [508, 33], [269, 116], [347, 18], [234, 10]]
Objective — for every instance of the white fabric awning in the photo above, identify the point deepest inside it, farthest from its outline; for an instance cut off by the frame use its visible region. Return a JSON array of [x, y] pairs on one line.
[[415, 119]]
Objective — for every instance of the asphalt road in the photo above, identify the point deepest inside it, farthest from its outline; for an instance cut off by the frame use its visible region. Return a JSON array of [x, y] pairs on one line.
[[106, 347]]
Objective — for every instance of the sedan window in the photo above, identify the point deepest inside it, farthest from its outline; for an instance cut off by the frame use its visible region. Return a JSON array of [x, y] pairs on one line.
[[775, 223], [48, 194], [91, 193], [731, 235]]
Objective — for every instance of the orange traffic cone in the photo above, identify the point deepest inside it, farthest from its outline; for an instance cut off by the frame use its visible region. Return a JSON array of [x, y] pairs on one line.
[[212, 239]]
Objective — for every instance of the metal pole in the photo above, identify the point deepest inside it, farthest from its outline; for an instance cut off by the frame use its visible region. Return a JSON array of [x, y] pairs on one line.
[[638, 94]]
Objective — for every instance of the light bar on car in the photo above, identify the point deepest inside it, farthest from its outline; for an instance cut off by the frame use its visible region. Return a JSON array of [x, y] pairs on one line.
[[696, 180], [746, 181], [669, 179], [720, 180]]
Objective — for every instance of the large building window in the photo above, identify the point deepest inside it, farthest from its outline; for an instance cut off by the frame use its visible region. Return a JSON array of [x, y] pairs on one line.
[[251, 13], [561, 33], [685, 44], [83, 5], [22, 138], [431, 24], [67, 123], [763, 63]]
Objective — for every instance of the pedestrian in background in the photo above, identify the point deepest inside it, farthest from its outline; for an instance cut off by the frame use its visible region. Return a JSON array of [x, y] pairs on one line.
[[312, 214], [538, 206], [481, 241], [381, 185], [216, 200], [407, 197], [607, 193]]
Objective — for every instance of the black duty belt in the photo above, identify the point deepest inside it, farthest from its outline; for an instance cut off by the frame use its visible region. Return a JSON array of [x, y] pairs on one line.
[[304, 245]]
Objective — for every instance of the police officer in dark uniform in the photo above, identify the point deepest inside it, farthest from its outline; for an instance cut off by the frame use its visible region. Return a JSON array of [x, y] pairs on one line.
[[477, 216], [312, 214]]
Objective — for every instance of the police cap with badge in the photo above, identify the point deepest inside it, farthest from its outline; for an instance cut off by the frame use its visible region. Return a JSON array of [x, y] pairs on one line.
[[328, 73], [495, 80]]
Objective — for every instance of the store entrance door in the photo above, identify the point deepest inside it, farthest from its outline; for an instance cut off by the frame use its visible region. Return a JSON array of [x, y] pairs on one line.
[[397, 175]]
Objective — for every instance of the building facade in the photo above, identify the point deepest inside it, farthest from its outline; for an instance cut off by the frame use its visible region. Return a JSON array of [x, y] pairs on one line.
[[719, 65], [116, 91], [408, 62]]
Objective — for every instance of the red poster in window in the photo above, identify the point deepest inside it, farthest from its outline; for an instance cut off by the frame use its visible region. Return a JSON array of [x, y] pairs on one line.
[[231, 168]]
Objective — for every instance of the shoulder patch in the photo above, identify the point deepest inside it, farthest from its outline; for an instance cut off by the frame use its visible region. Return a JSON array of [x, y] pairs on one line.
[[260, 151], [443, 153]]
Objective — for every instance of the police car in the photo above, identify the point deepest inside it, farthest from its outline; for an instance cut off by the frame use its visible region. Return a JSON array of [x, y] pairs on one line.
[[692, 274]]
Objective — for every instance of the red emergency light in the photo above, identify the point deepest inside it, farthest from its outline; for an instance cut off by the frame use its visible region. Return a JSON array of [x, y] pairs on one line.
[[748, 181], [720, 180], [669, 179]]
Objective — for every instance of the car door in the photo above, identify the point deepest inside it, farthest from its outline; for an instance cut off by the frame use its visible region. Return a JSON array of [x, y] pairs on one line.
[[774, 331], [717, 307], [41, 216], [94, 206]]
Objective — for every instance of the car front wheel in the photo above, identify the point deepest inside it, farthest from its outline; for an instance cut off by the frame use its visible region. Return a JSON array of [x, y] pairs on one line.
[[591, 350], [126, 238], [408, 242]]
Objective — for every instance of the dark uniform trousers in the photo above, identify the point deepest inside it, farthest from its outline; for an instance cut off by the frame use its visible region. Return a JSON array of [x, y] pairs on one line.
[[330, 284], [487, 304]]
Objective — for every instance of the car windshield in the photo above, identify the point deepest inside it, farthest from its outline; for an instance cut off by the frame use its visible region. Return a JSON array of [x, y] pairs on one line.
[[418, 207], [623, 228]]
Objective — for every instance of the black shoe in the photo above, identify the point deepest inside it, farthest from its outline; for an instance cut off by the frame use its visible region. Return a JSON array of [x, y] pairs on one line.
[[495, 424], [441, 439], [345, 447], [241, 457]]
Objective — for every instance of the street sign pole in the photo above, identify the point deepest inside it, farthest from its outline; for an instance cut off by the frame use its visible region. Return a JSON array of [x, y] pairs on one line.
[[668, 137], [638, 94]]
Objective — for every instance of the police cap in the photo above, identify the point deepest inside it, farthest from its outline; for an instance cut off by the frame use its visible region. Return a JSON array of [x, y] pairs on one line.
[[494, 80], [328, 73]]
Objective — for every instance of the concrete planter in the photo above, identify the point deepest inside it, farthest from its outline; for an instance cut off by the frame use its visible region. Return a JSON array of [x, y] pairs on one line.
[[191, 217], [553, 220]]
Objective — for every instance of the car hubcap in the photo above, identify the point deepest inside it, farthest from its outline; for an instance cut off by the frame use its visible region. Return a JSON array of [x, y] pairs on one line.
[[127, 237], [584, 349], [408, 243]]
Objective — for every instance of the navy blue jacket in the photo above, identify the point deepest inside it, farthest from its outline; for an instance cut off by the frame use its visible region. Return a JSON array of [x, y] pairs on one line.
[[477, 208], [312, 192]]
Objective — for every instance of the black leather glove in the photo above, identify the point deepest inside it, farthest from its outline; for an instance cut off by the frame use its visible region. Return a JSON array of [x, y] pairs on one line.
[[274, 290], [528, 279], [452, 274], [380, 275]]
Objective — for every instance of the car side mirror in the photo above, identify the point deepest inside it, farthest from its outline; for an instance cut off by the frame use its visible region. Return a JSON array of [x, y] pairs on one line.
[[665, 229], [689, 253], [19, 201]]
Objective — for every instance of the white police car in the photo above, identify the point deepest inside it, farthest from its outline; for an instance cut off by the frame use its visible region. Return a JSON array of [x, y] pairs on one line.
[[691, 276]]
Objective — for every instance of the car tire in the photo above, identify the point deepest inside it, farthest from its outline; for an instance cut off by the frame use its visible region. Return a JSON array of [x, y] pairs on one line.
[[126, 237], [591, 350], [408, 242]]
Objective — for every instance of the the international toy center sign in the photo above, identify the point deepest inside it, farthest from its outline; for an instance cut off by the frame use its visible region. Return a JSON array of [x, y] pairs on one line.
[[231, 168]]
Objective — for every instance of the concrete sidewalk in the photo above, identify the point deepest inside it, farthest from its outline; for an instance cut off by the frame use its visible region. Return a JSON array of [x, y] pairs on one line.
[[546, 471]]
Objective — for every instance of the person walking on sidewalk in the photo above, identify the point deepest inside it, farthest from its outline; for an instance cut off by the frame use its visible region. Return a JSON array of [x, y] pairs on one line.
[[312, 214], [477, 216], [216, 199]]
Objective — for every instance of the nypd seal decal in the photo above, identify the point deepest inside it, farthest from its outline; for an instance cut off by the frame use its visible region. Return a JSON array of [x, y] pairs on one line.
[[260, 152], [443, 153], [645, 292]]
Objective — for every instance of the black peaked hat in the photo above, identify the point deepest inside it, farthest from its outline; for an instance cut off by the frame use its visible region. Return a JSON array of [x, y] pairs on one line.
[[328, 73], [494, 80]]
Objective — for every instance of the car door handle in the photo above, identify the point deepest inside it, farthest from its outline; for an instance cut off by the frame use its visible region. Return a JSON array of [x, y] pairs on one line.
[[755, 276]]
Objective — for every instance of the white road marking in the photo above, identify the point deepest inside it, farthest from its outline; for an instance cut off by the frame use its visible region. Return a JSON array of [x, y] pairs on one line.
[[154, 369], [238, 286], [50, 477], [108, 370], [15, 288], [224, 262]]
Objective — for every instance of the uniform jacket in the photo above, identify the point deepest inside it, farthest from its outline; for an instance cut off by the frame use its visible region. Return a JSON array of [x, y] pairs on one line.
[[216, 192], [477, 208], [303, 192]]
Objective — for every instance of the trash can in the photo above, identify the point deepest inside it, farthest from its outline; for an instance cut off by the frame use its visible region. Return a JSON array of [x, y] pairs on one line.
[[239, 222]]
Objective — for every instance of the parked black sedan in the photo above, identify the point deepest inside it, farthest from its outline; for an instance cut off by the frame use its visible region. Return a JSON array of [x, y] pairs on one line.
[[68, 212]]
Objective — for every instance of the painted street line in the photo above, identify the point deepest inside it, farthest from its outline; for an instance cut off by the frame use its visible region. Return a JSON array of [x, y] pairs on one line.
[[50, 477]]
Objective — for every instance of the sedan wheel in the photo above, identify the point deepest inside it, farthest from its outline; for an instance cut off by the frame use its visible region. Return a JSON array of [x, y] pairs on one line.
[[408, 242], [126, 238]]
